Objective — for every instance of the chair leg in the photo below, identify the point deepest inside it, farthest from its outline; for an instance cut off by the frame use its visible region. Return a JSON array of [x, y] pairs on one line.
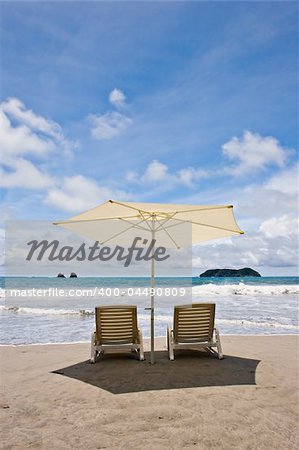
[[141, 352], [93, 352], [169, 344], [219, 348]]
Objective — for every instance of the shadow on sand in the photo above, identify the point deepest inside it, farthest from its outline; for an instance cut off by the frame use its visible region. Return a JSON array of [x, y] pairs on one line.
[[120, 374]]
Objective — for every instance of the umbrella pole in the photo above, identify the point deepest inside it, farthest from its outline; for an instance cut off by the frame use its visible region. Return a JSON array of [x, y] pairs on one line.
[[153, 299]]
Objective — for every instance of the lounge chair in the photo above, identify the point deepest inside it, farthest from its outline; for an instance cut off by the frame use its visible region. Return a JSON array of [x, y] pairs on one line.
[[193, 327], [116, 329]]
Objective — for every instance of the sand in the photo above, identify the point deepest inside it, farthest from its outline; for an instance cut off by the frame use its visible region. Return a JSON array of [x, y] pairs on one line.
[[54, 399]]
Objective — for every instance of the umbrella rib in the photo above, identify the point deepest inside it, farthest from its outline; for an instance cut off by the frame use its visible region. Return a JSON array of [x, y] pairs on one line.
[[170, 237], [127, 206], [163, 223], [172, 212], [146, 221], [210, 226], [140, 211], [122, 232], [171, 226], [92, 220], [204, 209], [135, 225]]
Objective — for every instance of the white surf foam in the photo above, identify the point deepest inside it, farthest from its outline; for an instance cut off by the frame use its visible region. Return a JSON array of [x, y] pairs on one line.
[[245, 289], [44, 311]]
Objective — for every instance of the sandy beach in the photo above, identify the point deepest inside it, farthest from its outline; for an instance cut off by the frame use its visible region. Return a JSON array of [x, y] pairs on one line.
[[53, 399]]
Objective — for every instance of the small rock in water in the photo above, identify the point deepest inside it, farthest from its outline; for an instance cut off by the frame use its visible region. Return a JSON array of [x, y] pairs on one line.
[[85, 312], [60, 275], [73, 275]]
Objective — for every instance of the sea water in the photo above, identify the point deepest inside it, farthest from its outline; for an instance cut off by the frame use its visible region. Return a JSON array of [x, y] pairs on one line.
[[249, 305]]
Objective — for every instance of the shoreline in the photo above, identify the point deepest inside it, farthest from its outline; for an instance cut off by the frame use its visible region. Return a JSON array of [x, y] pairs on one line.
[[60, 401], [147, 339]]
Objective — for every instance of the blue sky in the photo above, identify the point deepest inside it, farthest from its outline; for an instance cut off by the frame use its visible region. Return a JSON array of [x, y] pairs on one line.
[[191, 102]]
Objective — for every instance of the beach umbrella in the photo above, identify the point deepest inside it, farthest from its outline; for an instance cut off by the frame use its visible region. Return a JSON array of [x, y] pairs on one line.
[[114, 221]]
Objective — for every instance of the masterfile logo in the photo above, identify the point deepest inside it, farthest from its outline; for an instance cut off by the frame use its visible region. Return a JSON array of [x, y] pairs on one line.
[[139, 250]]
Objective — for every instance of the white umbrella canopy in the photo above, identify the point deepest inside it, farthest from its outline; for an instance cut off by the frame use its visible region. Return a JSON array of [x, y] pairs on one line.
[[115, 221], [208, 222]]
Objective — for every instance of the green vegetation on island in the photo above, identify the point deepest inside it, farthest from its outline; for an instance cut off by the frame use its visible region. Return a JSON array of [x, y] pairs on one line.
[[246, 272]]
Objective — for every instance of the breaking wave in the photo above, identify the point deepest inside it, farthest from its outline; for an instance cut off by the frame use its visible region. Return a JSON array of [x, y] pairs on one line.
[[160, 319], [44, 311], [226, 290]]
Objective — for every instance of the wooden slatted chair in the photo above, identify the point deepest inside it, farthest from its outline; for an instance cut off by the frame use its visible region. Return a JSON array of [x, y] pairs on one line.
[[116, 329], [193, 327]]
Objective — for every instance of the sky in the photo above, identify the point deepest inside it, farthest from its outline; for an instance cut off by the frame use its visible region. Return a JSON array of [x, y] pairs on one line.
[[174, 102]]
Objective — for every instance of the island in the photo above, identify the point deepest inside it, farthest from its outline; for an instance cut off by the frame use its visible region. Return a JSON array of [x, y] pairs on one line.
[[73, 275], [246, 272], [60, 275]]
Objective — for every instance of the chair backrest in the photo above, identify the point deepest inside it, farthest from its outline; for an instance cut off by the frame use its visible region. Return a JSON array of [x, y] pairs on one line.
[[116, 324], [194, 322]]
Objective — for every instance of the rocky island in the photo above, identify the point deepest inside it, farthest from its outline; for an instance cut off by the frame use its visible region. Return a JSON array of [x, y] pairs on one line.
[[246, 272], [72, 275]]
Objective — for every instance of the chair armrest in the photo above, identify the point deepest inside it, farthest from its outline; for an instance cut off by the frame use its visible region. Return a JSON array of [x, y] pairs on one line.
[[140, 337], [93, 337]]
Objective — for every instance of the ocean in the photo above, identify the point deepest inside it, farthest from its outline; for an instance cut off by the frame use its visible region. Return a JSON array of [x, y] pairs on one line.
[[59, 310]]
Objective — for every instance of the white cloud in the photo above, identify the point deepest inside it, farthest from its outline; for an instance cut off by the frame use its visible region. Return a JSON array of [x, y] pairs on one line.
[[2, 251], [275, 197], [190, 175], [268, 213], [159, 172], [77, 193], [250, 250], [24, 134], [23, 174], [284, 226], [155, 171], [20, 140], [108, 125], [14, 108], [33, 133], [117, 98], [112, 123], [253, 152], [131, 176], [285, 181]]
